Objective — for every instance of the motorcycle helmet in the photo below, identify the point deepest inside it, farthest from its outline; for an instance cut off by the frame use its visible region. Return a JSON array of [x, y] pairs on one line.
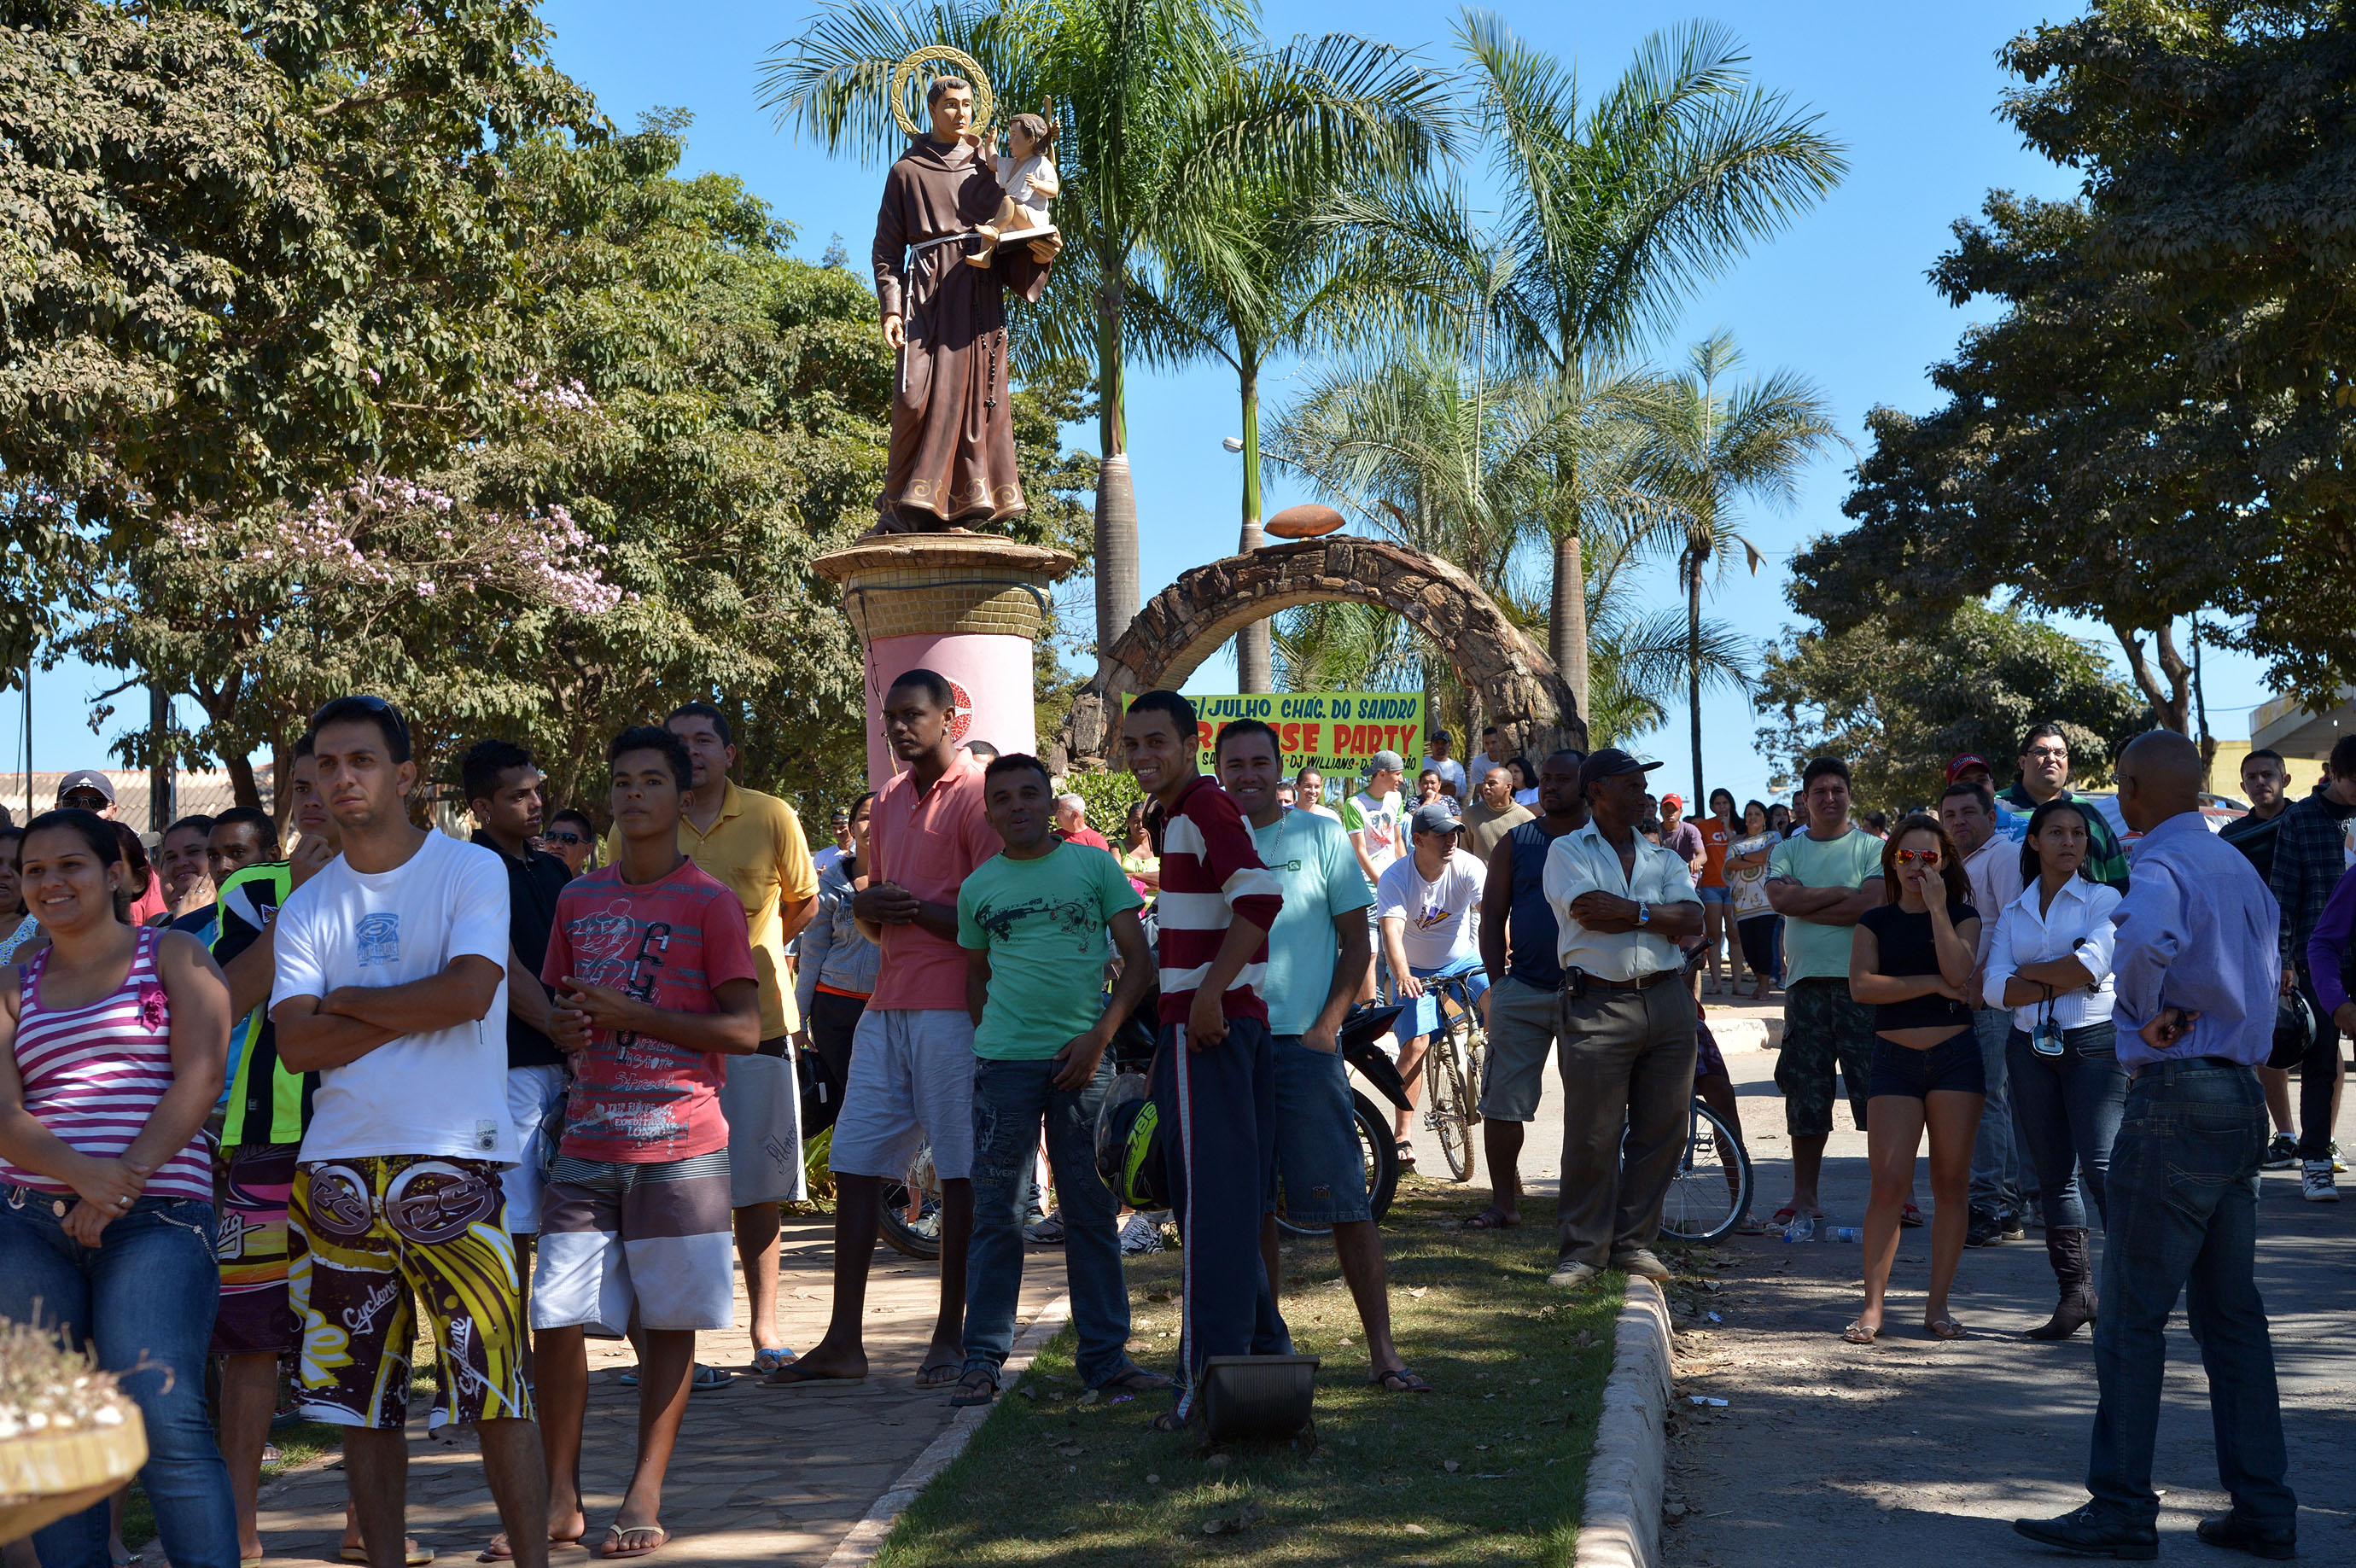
[[2293, 1031], [1130, 1146]]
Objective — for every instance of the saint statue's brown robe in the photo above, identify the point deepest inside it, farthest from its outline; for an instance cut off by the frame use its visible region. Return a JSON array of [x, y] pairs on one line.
[[952, 430]]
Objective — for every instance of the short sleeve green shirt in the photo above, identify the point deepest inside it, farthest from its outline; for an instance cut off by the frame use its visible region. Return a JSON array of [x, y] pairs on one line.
[[1814, 951], [1043, 925]]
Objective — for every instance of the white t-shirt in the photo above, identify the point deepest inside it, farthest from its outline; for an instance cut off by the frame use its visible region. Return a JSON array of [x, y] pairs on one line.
[[1451, 772], [1442, 924], [1378, 818], [440, 1093]]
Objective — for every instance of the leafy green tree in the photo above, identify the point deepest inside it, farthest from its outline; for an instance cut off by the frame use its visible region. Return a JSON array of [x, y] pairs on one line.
[[1706, 447], [1618, 208], [1164, 108], [1897, 701]]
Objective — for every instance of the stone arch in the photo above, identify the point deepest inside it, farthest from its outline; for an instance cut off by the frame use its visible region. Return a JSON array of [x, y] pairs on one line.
[[1188, 621]]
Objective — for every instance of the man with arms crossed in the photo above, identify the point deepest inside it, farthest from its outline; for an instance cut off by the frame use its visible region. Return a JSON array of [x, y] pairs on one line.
[[1623, 907], [2265, 778], [2196, 964], [1518, 939], [1820, 881], [1992, 865], [1317, 956], [1033, 920], [1214, 1077], [753, 842], [391, 985], [911, 1059], [655, 985]]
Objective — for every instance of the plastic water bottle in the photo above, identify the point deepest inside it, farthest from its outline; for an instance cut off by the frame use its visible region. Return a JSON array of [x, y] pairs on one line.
[[1844, 1234], [1801, 1228]]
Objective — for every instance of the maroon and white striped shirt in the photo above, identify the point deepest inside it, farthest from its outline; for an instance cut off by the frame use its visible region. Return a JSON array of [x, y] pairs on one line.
[[1211, 873], [94, 1075]]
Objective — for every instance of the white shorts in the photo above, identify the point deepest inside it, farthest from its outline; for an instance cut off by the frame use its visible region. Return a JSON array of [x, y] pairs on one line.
[[656, 1234], [532, 1092], [763, 1103], [911, 1083]]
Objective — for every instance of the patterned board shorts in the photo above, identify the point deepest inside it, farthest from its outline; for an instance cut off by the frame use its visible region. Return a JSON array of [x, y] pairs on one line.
[[257, 1318], [369, 1231], [1823, 1031]]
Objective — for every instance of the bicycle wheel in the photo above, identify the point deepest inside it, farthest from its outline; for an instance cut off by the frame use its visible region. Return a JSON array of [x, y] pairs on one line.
[[912, 1209], [1711, 1189], [1445, 1109], [1381, 1161]]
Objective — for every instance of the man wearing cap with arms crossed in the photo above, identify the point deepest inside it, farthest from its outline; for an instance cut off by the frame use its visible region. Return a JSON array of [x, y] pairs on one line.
[[1621, 906]]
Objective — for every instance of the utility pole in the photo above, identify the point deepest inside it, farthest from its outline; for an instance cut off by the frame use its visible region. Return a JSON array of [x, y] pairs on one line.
[[159, 758]]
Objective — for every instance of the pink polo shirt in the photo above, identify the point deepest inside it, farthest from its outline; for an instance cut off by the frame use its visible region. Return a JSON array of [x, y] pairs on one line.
[[927, 843]]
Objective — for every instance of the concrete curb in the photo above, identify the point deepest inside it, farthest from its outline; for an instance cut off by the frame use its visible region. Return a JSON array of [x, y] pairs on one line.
[[1622, 1525], [858, 1549]]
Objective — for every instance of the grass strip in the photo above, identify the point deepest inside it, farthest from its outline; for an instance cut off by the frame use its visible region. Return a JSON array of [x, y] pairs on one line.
[[1492, 1468]]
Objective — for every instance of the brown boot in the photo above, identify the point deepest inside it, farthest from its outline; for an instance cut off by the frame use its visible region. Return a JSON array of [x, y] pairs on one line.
[[2066, 1249]]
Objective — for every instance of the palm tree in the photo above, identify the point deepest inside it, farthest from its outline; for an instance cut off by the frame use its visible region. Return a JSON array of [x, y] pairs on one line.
[[1706, 447], [1162, 106], [1618, 210]]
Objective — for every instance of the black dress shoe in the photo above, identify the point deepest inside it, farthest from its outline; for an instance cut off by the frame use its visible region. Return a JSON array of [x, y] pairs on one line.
[[2082, 1531], [2232, 1532]]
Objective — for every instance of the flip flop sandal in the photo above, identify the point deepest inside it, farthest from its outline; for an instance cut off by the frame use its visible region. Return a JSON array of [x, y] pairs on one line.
[[1406, 1152], [1136, 1380], [1400, 1380], [975, 1388], [1911, 1218], [1171, 1421], [938, 1374], [417, 1557], [1944, 1328], [1753, 1225], [793, 1375], [1490, 1219], [616, 1534], [770, 1357], [1858, 1334]]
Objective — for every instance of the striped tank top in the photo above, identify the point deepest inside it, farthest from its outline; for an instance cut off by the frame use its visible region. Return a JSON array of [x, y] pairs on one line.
[[94, 1075]]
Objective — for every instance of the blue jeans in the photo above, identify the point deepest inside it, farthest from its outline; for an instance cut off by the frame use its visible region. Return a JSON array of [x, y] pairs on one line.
[[1009, 1101], [2184, 1221], [144, 1299], [1317, 1157], [1995, 1162], [2068, 1109]]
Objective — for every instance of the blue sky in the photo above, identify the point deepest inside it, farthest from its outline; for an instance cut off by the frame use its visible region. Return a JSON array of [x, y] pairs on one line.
[[1841, 297]]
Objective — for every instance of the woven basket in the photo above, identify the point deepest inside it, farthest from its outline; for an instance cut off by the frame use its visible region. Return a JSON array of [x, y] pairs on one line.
[[43, 1480]]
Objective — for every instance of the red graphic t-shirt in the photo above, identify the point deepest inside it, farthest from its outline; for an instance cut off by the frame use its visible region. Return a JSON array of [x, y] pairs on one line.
[[670, 945]]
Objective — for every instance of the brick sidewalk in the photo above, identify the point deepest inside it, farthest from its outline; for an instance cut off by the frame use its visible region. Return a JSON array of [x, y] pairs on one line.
[[760, 1475]]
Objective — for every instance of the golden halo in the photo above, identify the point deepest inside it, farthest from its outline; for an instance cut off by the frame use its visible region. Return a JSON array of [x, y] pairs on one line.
[[966, 67]]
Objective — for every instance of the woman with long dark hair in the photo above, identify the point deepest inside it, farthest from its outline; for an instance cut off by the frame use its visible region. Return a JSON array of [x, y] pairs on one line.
[[1746, 886], [1719, 833], [2049, 962], [115, 1042], [1911, 961], [19, 929]]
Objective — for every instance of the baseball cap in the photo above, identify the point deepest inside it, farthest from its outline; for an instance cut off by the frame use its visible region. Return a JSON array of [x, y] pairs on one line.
[[1387, 762], [1442, 736], [1610, 764], [1438, 816], [1968, 760], [86, 778], [1677, 800]]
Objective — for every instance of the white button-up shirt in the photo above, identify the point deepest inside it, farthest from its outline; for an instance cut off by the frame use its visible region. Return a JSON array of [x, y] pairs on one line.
[[1580, 861], [2077, 925]]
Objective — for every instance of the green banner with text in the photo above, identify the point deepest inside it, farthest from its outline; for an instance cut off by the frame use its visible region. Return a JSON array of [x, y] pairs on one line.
[[1332, 731]]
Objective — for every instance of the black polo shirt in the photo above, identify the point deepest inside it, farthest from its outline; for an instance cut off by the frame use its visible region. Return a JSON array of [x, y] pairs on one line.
[[533, 883]]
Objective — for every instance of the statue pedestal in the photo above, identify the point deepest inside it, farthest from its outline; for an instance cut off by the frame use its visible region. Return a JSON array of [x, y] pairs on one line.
[[966, 606]]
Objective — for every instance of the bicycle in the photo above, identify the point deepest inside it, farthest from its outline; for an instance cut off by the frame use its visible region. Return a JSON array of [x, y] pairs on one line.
[[1455, 1061], [1713, 1187]]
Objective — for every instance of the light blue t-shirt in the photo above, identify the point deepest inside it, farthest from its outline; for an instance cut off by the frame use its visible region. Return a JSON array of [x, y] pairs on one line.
[[1319, 874]]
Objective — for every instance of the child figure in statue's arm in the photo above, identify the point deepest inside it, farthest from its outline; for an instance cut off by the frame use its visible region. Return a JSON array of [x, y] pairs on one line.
[[1027, 175]]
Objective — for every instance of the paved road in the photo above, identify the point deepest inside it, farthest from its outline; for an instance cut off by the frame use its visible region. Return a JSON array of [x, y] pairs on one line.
[[761, 1475]]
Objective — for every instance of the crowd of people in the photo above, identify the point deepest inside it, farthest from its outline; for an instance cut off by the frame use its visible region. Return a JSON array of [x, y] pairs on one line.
[[284, 1106]]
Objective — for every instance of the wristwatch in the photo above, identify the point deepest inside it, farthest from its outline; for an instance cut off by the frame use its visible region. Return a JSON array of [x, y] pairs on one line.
[[1644, 913]]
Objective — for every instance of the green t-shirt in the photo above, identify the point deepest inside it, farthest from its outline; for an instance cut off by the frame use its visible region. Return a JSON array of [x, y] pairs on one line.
[[1042, 922], [1813, 951]]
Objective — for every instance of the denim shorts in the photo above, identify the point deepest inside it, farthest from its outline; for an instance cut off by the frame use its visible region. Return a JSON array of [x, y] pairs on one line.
[[1318, 1160], [1954, 1065], [1718, 895], [1423, 1015]]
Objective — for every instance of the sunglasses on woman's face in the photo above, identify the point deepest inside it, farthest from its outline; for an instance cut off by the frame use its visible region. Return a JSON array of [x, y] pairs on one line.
[[1918, 856]]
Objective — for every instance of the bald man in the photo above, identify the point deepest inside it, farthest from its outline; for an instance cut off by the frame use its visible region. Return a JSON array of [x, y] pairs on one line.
[[2197, 969]]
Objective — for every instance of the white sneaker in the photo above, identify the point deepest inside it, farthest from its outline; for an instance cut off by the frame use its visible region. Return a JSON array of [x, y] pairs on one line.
[[2315, 1183]]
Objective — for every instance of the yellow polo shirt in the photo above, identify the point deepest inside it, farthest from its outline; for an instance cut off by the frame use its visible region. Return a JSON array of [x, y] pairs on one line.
[[756, 847]]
